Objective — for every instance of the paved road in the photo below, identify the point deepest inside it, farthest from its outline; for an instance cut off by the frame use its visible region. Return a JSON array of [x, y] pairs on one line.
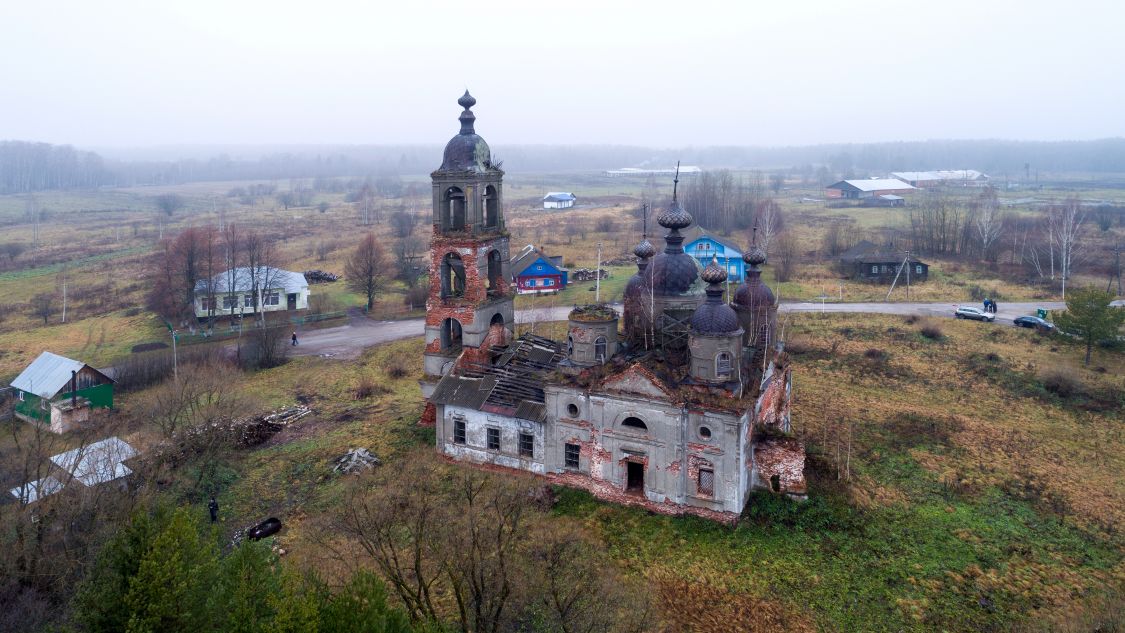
[[347, 341]]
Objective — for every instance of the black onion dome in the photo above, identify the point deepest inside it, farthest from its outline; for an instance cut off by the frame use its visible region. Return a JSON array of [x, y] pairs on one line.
[[714, 273], [467, 151], [644, 250], [675, 217], [756, 256], [674, 273], [752, 292], [715, 317]]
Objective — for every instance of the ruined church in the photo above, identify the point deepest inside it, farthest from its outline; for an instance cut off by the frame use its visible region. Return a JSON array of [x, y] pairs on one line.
[[679, 404]]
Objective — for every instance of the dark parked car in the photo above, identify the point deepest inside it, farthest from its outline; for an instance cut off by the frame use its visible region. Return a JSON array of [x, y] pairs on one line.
[[1034, 322], [975, 314]]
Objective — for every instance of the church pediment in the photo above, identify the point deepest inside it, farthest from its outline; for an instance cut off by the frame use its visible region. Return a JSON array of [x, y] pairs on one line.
[[637, 380]]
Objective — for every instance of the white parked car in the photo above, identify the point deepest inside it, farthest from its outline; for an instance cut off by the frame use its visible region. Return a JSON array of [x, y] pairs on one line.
[[975, 314]]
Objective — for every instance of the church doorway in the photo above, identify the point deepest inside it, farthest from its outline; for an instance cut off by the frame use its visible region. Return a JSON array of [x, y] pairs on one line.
[[634, 477]]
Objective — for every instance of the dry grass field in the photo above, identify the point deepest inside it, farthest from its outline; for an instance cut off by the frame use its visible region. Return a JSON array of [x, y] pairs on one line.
[[953, 485]]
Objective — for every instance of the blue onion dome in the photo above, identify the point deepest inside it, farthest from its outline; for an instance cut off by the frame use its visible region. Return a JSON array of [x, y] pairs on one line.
[[467, 151], [715, 317]]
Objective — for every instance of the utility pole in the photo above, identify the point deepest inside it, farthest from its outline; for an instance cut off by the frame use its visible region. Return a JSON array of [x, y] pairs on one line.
[[598, 275], [64, 301]]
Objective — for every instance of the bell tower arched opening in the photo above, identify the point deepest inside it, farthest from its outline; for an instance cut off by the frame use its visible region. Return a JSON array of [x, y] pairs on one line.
[[491, 207], [453, 206], [452, 276], [450, 336], [495, 273]]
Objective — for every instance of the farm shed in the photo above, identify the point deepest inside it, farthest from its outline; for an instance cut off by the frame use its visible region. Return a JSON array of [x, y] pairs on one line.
[[558, 200], [868, 189]]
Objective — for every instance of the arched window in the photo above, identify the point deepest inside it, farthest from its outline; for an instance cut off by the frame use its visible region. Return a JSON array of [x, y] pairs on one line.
[[570, 346], [495, 273], [491, 207], [634, 423], [450, 335], [453, 205], [497, 319], [452, 276], [599, 349], [722, 365]]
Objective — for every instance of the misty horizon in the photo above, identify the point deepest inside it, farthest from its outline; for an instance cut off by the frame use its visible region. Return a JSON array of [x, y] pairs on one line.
[[131, 75]]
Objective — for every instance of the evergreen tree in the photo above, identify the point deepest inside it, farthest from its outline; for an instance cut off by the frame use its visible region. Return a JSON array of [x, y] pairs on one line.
[[1091, 317]]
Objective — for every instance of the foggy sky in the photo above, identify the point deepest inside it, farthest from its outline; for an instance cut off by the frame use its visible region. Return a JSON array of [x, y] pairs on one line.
[[140, 73]]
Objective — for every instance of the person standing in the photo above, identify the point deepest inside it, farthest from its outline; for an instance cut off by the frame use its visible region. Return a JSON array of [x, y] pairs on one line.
[[213, 508], [294, 338]]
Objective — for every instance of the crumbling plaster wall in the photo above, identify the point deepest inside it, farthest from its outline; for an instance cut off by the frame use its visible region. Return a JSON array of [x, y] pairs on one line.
[[674, 436], [475, 448]]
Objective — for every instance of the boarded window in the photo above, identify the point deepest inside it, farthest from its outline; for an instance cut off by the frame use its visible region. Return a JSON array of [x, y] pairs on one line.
[[493, 439], [527, 445], [458, 431], [706, 483], [571, 456]]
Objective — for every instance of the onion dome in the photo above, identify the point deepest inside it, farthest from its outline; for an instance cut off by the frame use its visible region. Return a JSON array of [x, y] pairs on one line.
[[675, 217], [467, 151], [756, 256], [644, 250], [715, 317], [674, 272], [752, 293]]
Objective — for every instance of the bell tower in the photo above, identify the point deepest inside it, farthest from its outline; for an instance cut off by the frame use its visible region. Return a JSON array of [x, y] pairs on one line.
[[469, 308]]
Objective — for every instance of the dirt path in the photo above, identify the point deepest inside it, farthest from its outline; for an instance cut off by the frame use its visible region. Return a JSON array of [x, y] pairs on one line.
[[347, 341]]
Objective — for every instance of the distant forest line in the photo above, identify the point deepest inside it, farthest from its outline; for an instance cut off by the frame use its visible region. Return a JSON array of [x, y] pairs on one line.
[[29, 166]]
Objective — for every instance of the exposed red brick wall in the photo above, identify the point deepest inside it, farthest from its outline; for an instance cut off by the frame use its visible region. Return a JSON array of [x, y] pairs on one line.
[[429, 416], [476, 286], [784, 457], [773, 404]]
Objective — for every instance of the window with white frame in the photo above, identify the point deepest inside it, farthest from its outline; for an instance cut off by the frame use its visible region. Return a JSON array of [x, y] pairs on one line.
[[230, 301], [272, 299], [918, 269], [546, 282], [875, 269], [248, 301]]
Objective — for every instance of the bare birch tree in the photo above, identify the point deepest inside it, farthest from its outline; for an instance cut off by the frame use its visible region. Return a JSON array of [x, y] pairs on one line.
[[988, 222], [1065, 225]]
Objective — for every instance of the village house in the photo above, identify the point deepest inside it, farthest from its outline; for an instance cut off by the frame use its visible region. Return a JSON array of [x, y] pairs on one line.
[[705, 246], [89, 465], [871, 262], [872, 191], [60, 392], [684, 411], [943, 177], [558, 200], [238, 291], [534, 272]]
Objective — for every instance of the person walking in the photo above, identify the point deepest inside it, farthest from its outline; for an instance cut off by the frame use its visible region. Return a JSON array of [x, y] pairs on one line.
[[294, 339], [993, 307], [987, 304], [213, 508]]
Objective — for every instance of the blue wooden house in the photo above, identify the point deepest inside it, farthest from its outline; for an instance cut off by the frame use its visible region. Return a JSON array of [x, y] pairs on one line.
[[534, 272], [703, 246]]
